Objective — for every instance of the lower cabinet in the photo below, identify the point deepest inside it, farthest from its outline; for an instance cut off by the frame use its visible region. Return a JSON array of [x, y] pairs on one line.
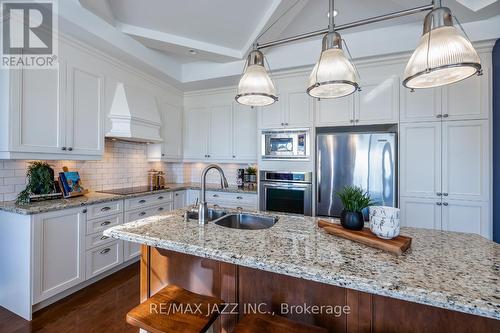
[[246, 201], [420, 212], [59, 252], [103, 258], [179, 199]]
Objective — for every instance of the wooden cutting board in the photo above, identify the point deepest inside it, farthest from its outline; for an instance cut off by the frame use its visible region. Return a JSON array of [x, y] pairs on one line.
[[397, 245]]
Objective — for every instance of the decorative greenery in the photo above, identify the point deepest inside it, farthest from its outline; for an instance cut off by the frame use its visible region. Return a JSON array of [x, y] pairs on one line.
[[354, 198], [40, 181], [251, 170]]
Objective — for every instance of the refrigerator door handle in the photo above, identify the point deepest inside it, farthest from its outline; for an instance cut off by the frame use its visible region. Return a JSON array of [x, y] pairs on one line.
[[318, 175]]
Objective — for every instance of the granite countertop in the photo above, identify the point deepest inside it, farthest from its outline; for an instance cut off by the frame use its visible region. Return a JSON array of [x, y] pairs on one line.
[[450, 270], [96, 197]]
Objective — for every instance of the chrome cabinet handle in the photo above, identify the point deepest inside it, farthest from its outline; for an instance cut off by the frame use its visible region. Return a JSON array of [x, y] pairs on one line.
[[439, 194], [70, 148], [106, 250], [63, 148], [445, 194], [445, 115], [286, 124], [357, 121], [160, 198], [104, 237], [208, 155], [445, 204], [104, 209], [239, 208], [105, 223], [142, 201], [142, 213], [162, 154], [84, 211], [176, 194], [234, 156], [439, 116], [438, 203], [160, 209], [239, 198], [282, 124], [215, 195]]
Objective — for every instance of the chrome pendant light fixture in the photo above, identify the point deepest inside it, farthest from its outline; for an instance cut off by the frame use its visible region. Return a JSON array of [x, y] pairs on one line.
[[256, 87], [334, 75], [443, 55]]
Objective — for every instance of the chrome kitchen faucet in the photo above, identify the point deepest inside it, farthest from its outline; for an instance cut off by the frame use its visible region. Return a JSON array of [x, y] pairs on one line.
[[203, 209]]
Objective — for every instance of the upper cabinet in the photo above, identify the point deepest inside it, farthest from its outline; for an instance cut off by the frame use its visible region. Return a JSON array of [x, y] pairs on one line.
[[197, 122], [376, 103], [420, 105], [244, 133], [171, 132], [293, 109]]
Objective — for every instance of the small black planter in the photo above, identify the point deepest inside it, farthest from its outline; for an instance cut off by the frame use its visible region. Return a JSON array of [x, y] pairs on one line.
[[352, 220]]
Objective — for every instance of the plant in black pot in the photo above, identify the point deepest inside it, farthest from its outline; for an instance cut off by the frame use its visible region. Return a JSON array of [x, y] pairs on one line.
[[354, 200]]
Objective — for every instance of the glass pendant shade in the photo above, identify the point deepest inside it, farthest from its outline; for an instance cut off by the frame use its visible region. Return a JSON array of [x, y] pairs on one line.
[[255, 87], [443, 55], [334, 74]]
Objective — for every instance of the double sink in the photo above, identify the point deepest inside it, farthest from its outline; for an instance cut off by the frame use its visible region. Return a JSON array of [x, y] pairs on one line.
[[236, 220]]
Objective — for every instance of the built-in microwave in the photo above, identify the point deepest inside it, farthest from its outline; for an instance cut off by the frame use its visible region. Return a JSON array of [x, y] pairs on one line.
[[285, 144]]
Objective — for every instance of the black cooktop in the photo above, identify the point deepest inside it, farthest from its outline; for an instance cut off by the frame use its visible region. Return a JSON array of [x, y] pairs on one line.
[[131, 190]]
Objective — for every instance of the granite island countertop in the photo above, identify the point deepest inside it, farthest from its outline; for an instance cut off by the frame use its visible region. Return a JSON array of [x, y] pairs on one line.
[[97, 197], [450, 270]]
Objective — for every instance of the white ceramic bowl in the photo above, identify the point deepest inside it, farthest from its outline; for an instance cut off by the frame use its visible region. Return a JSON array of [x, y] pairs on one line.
[[385, 227]]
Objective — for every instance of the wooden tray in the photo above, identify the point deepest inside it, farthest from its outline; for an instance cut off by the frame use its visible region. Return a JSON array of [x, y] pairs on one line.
[[397, 245]]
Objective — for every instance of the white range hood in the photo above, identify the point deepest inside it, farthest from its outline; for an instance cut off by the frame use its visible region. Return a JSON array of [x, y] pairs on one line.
[[133, 116]]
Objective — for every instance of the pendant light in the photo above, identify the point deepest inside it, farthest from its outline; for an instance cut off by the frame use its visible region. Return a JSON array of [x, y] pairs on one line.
[[256, 87], [443, 55], [334, 75]]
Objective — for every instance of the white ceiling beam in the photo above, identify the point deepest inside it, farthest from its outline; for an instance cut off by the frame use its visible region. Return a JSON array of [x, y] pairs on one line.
[[476, 5], [172, 39]]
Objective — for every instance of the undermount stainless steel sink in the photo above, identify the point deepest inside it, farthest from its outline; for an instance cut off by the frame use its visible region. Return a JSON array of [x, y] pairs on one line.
[[246, 221], [212, 214]]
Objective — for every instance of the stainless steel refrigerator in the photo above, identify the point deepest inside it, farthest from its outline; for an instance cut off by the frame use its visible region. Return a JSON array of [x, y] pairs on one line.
[[361, 156]]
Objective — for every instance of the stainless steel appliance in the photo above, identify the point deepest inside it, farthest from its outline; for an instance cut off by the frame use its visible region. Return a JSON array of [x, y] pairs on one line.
[[285, 144], [287, 192], [361, 156]]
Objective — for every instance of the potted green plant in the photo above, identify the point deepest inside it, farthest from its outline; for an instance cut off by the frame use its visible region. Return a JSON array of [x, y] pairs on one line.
[[40, 181], [354, 200], [251, 173]]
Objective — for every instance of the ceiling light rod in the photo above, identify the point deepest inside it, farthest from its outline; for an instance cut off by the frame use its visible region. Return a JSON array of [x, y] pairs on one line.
[[354, 24]]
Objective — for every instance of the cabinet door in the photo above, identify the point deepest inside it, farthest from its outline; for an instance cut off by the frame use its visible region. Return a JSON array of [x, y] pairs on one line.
[[420, 105], [378, 102], [172, 131], [468, 99], [179, 199], [84, 116], [59, 252], [466, 160], [420, 159], [244, 133], [467, 216], [221, 135], [299, 110], [271, 116], [335, 111], [197, 125], [38, 110], [193, 197], [421, 213]]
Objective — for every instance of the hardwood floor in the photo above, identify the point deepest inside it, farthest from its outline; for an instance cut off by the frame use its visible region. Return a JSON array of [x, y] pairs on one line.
[[100, 307]]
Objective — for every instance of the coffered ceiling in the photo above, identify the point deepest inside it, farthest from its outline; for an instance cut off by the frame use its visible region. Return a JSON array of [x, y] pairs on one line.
[[217, 34]]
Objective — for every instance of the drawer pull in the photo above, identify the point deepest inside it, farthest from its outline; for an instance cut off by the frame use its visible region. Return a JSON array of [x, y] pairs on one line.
[[239, 208], [176, 194], [104, 209], [104, 237], [160, 209], [106, 250], [142, 201], [160, 198], [215, 195], [105, 223], [142, 213], [239, 198]]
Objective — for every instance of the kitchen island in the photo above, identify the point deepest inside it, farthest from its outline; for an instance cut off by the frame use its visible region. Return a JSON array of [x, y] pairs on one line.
[[446, 282]]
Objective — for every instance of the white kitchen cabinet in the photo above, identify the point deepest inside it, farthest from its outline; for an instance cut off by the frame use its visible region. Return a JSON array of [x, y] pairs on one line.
[[103, 258], [84, 108], [420, 159], [179, 199], [226, 199], [293, 109], [172, 123], [244, 133], [221, 136], [420, 105], [468, 99], [466, 216], [377, 102], [59, 252], [335, 111], [420, 212], [466, 158], [197, 129]]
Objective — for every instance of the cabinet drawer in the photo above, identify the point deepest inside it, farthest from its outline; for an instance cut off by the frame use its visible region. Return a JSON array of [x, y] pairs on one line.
[[103, 258], [104, 209], [233, 198], [103, 223], [148, 211], [148, 200], [97, 239]]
